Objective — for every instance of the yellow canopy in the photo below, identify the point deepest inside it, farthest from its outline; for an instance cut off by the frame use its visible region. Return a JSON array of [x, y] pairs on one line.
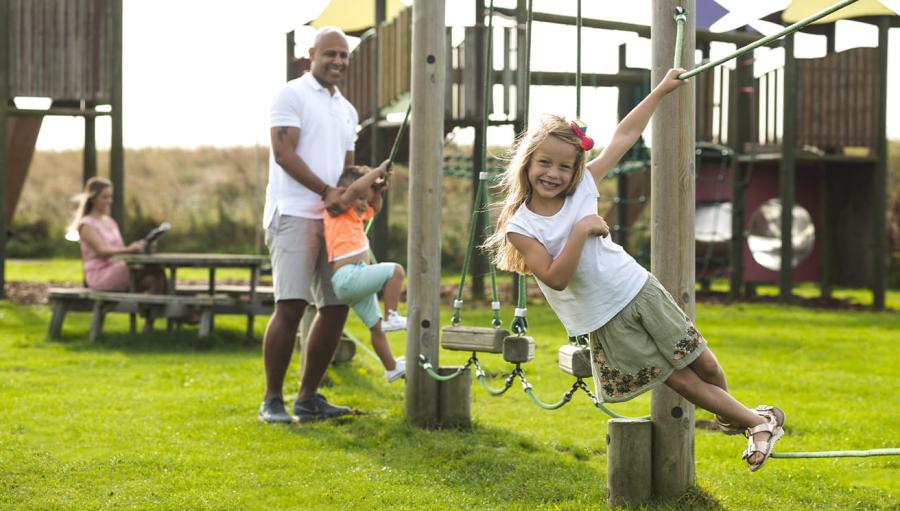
[[354, 16], [800, 9]]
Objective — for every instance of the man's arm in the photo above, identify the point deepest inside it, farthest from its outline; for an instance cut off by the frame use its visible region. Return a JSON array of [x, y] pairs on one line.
[[285, 140]]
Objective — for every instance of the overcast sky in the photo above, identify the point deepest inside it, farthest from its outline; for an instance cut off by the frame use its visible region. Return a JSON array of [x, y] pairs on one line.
[[203, 72]]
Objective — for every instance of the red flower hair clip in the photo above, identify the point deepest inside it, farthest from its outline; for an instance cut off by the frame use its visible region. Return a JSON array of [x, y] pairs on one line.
[[579, 128]]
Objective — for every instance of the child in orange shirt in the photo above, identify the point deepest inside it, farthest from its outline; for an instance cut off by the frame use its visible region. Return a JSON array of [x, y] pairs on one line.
[[355, 281]]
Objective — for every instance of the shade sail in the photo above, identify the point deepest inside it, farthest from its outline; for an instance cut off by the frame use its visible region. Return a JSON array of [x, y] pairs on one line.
[[354, 16], [799, 9]]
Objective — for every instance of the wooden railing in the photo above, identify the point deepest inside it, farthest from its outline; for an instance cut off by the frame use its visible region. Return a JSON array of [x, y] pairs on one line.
[[61, 49]]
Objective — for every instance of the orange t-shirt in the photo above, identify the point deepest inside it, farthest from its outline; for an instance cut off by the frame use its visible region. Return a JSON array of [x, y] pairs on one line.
[[344, 234]]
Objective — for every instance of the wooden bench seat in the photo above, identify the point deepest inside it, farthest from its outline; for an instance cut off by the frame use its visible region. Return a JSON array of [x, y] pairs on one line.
[[157, 306], [63, 300], [266, 293]]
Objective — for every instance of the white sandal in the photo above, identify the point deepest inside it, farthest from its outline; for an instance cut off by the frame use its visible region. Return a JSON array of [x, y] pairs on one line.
[[773, 414], [762, 446]]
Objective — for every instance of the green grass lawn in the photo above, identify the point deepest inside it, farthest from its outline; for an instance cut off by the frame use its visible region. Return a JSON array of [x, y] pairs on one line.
[[167, 421]]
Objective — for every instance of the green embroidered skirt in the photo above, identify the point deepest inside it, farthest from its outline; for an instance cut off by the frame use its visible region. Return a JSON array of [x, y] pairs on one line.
[[642, 345]]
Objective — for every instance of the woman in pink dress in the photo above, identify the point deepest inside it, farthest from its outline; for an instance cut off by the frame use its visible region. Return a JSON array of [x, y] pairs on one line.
[[101, 239]]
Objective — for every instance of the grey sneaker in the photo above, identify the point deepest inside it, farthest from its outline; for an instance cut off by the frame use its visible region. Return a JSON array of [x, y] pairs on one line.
[[318, 408], [272, 411]]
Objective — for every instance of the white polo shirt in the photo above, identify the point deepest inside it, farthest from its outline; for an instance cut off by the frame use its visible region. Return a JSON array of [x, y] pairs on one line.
[[327, 125]]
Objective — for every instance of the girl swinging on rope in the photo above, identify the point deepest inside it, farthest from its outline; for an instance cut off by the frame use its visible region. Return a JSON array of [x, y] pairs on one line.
[[548, 226]]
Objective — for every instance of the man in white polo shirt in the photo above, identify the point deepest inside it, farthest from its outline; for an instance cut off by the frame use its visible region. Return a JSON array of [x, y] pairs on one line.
[[313, 129]]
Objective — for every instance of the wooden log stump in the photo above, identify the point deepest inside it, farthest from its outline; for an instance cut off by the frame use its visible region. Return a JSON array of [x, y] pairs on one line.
[[454, 399], [628, 462]]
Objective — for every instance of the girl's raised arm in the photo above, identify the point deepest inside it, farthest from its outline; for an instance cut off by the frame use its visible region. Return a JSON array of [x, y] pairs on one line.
[[631, 127]]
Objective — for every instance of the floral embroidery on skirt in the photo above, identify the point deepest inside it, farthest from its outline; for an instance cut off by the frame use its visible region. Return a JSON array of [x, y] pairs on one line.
[[688, 344], [619, 383]]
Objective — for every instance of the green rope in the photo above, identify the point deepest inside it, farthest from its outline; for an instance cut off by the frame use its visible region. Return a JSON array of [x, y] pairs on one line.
[[519, 325], [429, 369], [391, 159], [470, 246], [527, 88], [680, 18], [766, 40], [578, 63], [362, 346], [838, 454], [482, 379], [547, 406]]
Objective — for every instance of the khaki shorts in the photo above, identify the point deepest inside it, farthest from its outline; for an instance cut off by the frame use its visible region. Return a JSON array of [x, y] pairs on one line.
[[643, 344], [300, 269]]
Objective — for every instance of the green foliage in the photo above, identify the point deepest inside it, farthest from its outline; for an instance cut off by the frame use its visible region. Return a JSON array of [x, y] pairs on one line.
[[165, 421]]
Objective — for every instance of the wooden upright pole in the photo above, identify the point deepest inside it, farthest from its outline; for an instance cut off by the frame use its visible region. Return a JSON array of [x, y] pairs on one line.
[[788, 170], [879, 188], [424, 252], [90, 148], [672, 238], [4, 137], [380, 235], [116, 151]]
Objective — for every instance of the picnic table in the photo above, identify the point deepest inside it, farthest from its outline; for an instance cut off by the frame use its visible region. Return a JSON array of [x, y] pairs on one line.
[[250, 303]]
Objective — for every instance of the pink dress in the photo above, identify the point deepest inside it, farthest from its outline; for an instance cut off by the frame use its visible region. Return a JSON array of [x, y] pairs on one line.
[[103, 273]]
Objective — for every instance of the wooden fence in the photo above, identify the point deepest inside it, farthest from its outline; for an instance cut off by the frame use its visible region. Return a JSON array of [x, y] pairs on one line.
[[61, 49]]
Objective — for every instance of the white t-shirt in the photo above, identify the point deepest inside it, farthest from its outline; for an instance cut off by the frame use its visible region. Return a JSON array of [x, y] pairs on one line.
[[327, 125], [606, 279]]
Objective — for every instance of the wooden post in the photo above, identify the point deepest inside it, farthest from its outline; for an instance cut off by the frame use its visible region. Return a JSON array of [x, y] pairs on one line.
[[455, 405], [478, 263], [90, 147], [672, 190], [380, 236], [4, 137], [879, 186], [424, 240], [116, 151], [788, 170], [628, 462], [742, 94], [289, 56]]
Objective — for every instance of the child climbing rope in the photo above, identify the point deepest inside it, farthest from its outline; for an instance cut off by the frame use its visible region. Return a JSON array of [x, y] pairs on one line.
[[355, 282], [548, 226]]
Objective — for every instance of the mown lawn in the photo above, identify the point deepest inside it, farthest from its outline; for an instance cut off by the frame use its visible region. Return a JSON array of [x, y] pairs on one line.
[[166, 421]]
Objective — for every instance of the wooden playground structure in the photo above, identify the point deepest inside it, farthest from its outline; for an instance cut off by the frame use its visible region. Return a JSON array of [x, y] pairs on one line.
[[774, 128], [71, 54], [808, 133]]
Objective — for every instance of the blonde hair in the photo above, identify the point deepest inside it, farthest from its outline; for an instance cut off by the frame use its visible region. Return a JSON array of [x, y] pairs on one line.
[[515, 186], [92, 188]]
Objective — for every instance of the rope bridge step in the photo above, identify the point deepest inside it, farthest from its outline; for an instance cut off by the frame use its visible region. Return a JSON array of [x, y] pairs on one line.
[[471, 338]]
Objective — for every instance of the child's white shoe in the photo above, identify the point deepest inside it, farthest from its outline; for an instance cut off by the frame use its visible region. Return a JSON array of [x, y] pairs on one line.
[[398, 372], [393, 322]]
